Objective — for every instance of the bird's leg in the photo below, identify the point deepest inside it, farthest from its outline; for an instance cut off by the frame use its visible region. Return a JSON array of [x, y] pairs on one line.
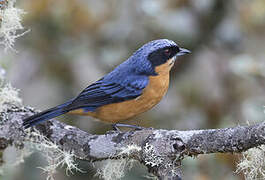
[[115, 126]]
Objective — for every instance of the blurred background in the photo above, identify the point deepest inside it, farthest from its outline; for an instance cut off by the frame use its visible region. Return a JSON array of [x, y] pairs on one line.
[[73, 43]]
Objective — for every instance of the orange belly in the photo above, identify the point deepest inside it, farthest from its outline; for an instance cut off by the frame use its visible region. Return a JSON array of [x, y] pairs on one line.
[[152, 94]]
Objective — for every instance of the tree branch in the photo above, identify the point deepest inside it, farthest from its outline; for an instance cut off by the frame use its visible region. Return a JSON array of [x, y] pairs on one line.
[[161, 151]]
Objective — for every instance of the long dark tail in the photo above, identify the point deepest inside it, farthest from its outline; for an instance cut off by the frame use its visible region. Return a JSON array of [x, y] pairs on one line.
[[45, 115]]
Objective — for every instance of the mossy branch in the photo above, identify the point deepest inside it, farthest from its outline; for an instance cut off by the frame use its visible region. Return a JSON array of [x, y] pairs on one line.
[[161, 151]]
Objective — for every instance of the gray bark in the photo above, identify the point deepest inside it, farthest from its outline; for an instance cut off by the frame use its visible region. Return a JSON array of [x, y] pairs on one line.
[[161, 151]]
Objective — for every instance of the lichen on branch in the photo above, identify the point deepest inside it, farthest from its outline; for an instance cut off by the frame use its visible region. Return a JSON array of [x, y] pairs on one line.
[[10, 23]]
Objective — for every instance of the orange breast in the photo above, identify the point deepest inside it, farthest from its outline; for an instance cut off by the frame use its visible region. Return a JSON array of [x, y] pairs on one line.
[[152, 94]]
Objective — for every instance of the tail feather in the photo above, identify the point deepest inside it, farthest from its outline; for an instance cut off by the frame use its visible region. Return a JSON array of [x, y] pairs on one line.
[[45, 115]]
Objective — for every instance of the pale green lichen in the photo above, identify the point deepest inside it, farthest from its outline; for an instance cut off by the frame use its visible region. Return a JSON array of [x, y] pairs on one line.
[[252, 163], [53, 154], [8, 95], [116, 168], [10, 25], [151, 158], [129, 149], [112, 169]]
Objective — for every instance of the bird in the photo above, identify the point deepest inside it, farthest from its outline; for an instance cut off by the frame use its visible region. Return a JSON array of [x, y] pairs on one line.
[[133, 87]]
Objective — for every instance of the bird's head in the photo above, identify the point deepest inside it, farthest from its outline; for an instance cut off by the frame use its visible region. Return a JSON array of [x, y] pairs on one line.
[[156, 53]]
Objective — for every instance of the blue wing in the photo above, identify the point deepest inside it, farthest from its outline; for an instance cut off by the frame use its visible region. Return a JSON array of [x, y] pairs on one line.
[[107, 91]]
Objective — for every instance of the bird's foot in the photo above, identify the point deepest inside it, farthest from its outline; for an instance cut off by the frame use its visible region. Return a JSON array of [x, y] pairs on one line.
[[116, 126]]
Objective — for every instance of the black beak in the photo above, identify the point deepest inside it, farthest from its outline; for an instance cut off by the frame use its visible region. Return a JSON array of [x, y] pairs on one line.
[[183, 51]]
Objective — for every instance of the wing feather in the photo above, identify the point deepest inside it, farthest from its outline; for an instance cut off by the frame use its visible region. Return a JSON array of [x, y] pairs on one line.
[[105, 92]]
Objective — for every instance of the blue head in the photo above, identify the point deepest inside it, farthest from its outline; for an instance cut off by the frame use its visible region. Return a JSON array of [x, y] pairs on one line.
[[155, 53], [145, 60]]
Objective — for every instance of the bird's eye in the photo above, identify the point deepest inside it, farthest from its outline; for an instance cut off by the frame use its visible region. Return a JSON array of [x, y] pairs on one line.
[[167, 52]]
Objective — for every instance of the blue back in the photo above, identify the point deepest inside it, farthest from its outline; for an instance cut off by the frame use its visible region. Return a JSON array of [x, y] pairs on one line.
[[127, 81]]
